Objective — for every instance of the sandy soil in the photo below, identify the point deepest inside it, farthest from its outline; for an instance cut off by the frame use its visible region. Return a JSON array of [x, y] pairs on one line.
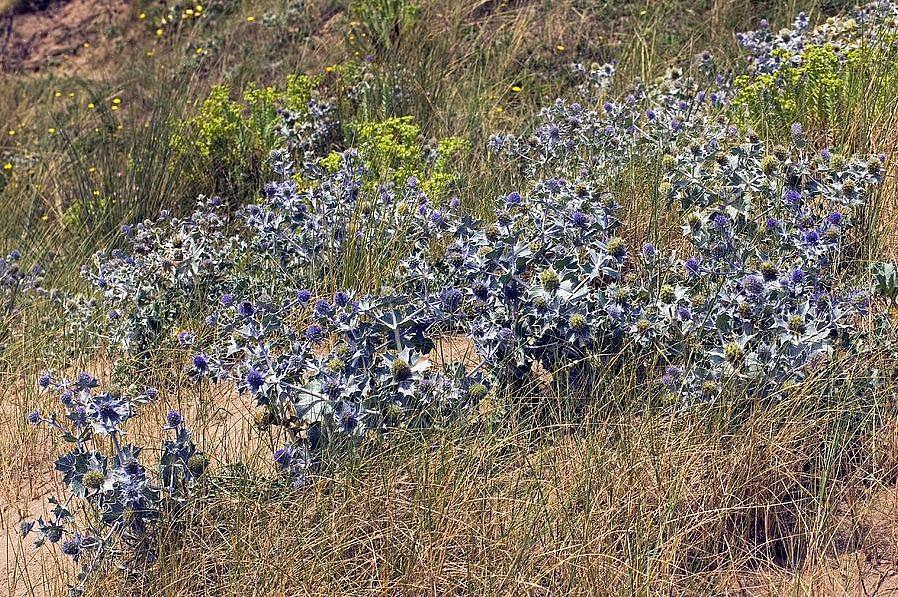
[[34, 38]]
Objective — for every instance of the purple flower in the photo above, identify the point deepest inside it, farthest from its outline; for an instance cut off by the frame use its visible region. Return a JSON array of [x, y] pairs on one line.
[[341, 299], [835, 218], [579, 219], [44, 380], [246, 309], [796, 129], [792, 197], [186, 337], [314, 333], [692, 266], [773, 224], [254, 380], [34, 417], [671, 377], [227, 300], [173, 418], [650, 114], [514, 198], [151, 393], [720, 221], [825, 154], [797, 276], [322, 308], [200, 363], [303, 296], [86, 381], [481, 290], [72, 547], [753, 285], [811, 238], [283, 457], [649, 251]]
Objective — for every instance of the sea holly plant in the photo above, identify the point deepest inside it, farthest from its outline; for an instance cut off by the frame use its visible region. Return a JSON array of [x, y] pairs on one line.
[[115, 492], [552, 292]]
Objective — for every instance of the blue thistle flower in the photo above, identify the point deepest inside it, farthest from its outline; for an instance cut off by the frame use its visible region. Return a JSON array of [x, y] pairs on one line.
[[254, 380], [200, 363], [835, 218], [649, 251], [341, 299], [481, 290], [303, 296], [753, 285], [797, 276], [86, 381], [513, 198], [720, 221], [692, 266], [314, 333], [34, 417], [227, 300], [246, 309], [44, 380], [173, 418], [322, 308], [72, 547], [579, 219], [812, 238]]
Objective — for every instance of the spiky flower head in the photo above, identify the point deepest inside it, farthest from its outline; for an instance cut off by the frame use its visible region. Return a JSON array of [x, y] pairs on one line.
[[732, 352], [197, 464], [768, 270], [549, 280], [94, 479], [667, 294], [617, 248], [577, 322], [796, 324], [400, 369]]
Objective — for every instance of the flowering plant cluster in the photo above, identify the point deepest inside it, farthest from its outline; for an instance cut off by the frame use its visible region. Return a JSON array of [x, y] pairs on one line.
[[173, 265], [17, 284], [117, 495], [818, 73], [575, 140], [551, 292]]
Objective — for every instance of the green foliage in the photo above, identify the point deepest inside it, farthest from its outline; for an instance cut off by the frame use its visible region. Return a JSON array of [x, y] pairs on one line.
[[885, 280], [230, 138], [819, 87], [382, 23], [394, 150]]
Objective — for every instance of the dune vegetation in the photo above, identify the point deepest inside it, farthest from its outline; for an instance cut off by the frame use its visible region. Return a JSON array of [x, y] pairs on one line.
[[432, 297]]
